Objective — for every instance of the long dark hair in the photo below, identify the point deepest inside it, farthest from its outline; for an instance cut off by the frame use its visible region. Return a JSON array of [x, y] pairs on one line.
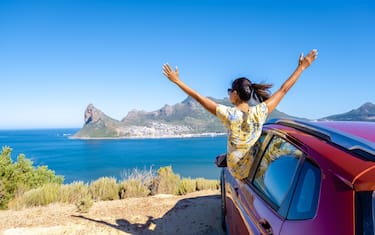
[[247, 90]]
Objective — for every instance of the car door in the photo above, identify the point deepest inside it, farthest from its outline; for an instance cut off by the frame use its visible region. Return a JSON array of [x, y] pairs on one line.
[[265, 196], [237, 201]]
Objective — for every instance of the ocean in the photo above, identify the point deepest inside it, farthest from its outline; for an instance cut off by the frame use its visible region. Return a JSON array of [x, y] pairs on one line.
[[88, 160]]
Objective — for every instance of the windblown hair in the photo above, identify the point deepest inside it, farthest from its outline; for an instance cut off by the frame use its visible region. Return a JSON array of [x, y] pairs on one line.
[[247, 90]]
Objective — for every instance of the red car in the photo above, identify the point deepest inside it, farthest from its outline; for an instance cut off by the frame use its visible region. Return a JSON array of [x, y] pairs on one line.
[[309, 178]]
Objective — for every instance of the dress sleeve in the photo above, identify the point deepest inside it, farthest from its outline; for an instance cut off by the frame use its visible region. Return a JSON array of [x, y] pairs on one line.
[[222, 113]]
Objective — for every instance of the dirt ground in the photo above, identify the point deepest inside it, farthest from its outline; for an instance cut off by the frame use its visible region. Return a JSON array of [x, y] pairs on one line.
[[193, 214]]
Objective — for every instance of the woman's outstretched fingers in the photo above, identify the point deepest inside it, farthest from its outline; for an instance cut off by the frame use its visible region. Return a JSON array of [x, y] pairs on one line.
[[313, 53], [169, 73], [166, 70]]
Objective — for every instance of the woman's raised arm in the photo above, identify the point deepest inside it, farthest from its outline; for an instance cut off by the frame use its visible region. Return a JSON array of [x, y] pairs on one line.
[[207, 103], [303, 63]]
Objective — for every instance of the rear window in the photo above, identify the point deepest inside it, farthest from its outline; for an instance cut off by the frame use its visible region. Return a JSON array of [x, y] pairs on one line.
[[305, 199], [365, 213]]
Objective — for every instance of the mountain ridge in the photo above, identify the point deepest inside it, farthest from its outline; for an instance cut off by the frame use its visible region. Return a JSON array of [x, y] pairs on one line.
[[185, 119], [365, 112]]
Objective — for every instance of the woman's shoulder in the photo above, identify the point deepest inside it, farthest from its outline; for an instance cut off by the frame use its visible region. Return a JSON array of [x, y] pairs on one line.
[[259, 106], [259, 111]]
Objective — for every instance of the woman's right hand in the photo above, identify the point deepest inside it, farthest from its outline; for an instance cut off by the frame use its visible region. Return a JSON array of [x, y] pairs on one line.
[[170, 74], [306, 61]]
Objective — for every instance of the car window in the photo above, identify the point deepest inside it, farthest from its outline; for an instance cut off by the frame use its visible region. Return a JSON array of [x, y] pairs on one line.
[[305, 199], [257, 145], [276, 170]]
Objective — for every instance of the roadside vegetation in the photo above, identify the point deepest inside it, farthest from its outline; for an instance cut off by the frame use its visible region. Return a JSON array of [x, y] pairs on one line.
[[23, 185]]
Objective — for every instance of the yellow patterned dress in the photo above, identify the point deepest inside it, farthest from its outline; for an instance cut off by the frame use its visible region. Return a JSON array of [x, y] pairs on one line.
[[244, 130]]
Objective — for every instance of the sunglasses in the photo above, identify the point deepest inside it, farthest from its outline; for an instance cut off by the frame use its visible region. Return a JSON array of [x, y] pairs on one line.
[[230, 90]]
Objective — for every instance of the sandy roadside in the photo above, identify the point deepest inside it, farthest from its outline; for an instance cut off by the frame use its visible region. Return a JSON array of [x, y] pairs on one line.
[[193, 214]]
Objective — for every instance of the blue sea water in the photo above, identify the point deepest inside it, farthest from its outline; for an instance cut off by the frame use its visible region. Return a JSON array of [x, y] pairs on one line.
[[88, 160]]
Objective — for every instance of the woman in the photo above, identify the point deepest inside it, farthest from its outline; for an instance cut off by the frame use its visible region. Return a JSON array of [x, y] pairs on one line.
[[244, 122]]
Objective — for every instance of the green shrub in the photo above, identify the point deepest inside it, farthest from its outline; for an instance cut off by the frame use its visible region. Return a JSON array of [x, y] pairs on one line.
[[186, 185], [21, 176], [166, 182], [105, 188]]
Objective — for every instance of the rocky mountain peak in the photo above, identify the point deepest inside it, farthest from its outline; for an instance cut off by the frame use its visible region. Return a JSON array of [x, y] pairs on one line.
[[92, 114], [365, 112], [367, 108]]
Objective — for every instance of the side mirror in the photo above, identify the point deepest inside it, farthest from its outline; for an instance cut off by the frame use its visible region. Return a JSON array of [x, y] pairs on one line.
[[221, 160]]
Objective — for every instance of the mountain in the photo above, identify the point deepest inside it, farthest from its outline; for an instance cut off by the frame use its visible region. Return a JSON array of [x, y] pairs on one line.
[[364, 113], [98, 124], [182, 119]]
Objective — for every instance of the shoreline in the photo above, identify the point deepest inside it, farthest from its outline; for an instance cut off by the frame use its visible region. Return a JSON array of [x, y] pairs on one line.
[[182, 136]]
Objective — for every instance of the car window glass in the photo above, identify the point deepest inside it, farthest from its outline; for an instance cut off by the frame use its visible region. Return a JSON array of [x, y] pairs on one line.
[[276, 170], [305, 199], [258, 144]]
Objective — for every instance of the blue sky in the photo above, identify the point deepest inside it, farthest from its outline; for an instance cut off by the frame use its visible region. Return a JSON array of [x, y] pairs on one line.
[[56, 57]]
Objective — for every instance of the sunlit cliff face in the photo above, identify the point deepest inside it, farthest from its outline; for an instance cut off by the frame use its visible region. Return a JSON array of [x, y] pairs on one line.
[[90, 114]]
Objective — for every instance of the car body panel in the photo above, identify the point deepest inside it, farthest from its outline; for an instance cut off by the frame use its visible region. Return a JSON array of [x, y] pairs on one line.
[[365, 181], [251, 208]]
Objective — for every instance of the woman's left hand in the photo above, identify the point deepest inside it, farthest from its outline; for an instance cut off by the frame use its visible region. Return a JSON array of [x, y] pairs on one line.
[[170, 74]]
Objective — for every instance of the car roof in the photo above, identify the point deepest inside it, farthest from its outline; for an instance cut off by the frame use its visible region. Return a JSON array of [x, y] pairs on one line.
[[365, 130], [356, 138]]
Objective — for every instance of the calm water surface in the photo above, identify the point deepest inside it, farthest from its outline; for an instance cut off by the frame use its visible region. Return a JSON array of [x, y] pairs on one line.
[[88, 160]]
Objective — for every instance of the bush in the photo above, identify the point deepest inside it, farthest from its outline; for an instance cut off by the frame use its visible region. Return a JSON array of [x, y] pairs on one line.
[[84, 204], [73, 193], [133, 188], [105, 188], [41, 196], [186, 185], [137, 183], [166, 182], [21, 176], [205, 184]]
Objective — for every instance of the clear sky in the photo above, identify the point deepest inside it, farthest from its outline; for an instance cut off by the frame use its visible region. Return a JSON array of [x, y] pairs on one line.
[[57, 56]]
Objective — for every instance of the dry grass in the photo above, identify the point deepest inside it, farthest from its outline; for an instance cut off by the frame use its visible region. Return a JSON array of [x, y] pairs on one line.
[[195, 213], [137, 184]]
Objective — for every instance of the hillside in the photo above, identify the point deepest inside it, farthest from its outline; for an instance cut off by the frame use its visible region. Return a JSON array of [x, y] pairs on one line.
[[182, 119], [187, 118], [364, 113]]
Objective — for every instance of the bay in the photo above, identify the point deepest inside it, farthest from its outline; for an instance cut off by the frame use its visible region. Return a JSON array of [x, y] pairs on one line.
[[88, 160]]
